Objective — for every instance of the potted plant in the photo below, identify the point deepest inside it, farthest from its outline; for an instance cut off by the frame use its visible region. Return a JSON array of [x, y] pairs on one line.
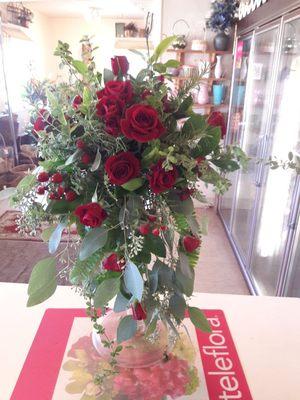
[[120, 160], [223, 15], [131, 30]]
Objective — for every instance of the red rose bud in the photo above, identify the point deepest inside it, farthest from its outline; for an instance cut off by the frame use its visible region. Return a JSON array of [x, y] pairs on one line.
[[85, 158], [60, 191], [163, 228], [216, 118], [186, 194], [122, 167], [57, 178], [111, 263], [142, 123], [161, 180], [40, 123], [40, 189], [191, 243], [200, 160], [91, 214], [43, 177], [119, 65], [161, 78], [80, 144], [53, 196], [144, 229], [77, 101], [70, 195], [138, 313], [155, 232], [152, 218]]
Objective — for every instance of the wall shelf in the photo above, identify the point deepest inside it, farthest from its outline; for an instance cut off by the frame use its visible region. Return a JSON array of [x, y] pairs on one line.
[[132, 43]]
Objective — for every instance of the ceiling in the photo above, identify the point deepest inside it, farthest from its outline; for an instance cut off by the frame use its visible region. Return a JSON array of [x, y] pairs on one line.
[[92, 8]]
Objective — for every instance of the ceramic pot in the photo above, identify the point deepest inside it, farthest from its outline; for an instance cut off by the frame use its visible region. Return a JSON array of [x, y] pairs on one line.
[[221, 42], [203, 96]]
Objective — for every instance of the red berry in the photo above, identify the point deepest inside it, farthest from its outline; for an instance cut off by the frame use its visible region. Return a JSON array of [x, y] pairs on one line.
[[85, 159], [152, 218], [40, 190], [163, 228], [43, 177], [60, 191], [144, 229], [191, 243], [57, 178], [70, 195], [53, 196], [80, 144], [155, 232]]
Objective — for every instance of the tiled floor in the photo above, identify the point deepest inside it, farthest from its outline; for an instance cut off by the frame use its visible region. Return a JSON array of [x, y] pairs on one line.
[[218, 270]]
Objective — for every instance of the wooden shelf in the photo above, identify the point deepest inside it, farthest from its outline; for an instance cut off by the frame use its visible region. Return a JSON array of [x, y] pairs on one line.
[[183, 78], [181, 51], [209, 105]]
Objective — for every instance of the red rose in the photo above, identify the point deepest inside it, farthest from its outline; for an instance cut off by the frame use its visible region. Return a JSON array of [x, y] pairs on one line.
[[40, 189], [216, 118], [80, 144], [118, 89], [42, 120], [91, 214], [112, 125], [77, 101], [142, 123], [161, 180], [108, 106], [138, 313], [119, 65], [144, 229], [191, 243], [122, 167], [43, 177], [57, 178], [70, 195], [111, 263]]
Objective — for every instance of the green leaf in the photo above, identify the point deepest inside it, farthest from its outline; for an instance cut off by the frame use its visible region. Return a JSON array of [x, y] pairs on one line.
[[7, 193], [199, 320], [133, 280], [27, 182], [172, 64], [165, 274], [153, 281], [155, 245], [184, 265], [226, 165], [161, 48], [185, 106], [97, 161], [87, 97], [142, 75], [133, 184], [195, 126], [138, 53], [185, 207], [177, 306], [159, 67], [94, 240], [121, 303], [106, 291], [63, 206], [208, 143], [108, 75], [73, 157], [42, 282], [47, 232], [185, 284], [193, 224], [126, 329], [80, 67], [55, 237], [142, 258]]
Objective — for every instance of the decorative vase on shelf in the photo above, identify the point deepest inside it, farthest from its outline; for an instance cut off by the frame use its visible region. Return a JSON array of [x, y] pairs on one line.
[[218, 68], [203, 96], [221, 42]]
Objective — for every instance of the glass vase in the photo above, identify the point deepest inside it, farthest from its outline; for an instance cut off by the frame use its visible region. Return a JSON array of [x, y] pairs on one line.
[[138, 352]]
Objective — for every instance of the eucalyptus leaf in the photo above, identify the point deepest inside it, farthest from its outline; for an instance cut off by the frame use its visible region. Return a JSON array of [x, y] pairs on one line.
[[184, 283], [106, 291], [153, 281], [199, 320], [193, 224], [184, 265], [73, 157], [155, 245], [133, 280], [177, 306], [47, 232], [121, 303], [97, 161], [133, 184], [108, 75], [126, 329], [94, 240], [42, 282], [55, 237]]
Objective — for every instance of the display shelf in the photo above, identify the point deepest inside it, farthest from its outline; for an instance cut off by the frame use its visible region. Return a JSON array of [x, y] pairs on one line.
[[184, 78], [211, 52], [209, 105]]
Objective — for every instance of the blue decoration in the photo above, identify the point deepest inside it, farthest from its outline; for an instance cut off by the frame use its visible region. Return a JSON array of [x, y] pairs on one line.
[[223, 15]]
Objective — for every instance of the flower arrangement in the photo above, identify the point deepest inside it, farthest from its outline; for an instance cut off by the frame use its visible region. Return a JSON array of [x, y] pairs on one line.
[[223, 15], [120, 160]]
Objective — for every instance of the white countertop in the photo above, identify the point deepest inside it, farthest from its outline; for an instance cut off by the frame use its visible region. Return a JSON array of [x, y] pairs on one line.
[[266, 332]]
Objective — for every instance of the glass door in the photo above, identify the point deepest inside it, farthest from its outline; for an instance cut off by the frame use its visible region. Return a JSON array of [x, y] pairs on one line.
[[278, 186], [236, 125], [257, 107]]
